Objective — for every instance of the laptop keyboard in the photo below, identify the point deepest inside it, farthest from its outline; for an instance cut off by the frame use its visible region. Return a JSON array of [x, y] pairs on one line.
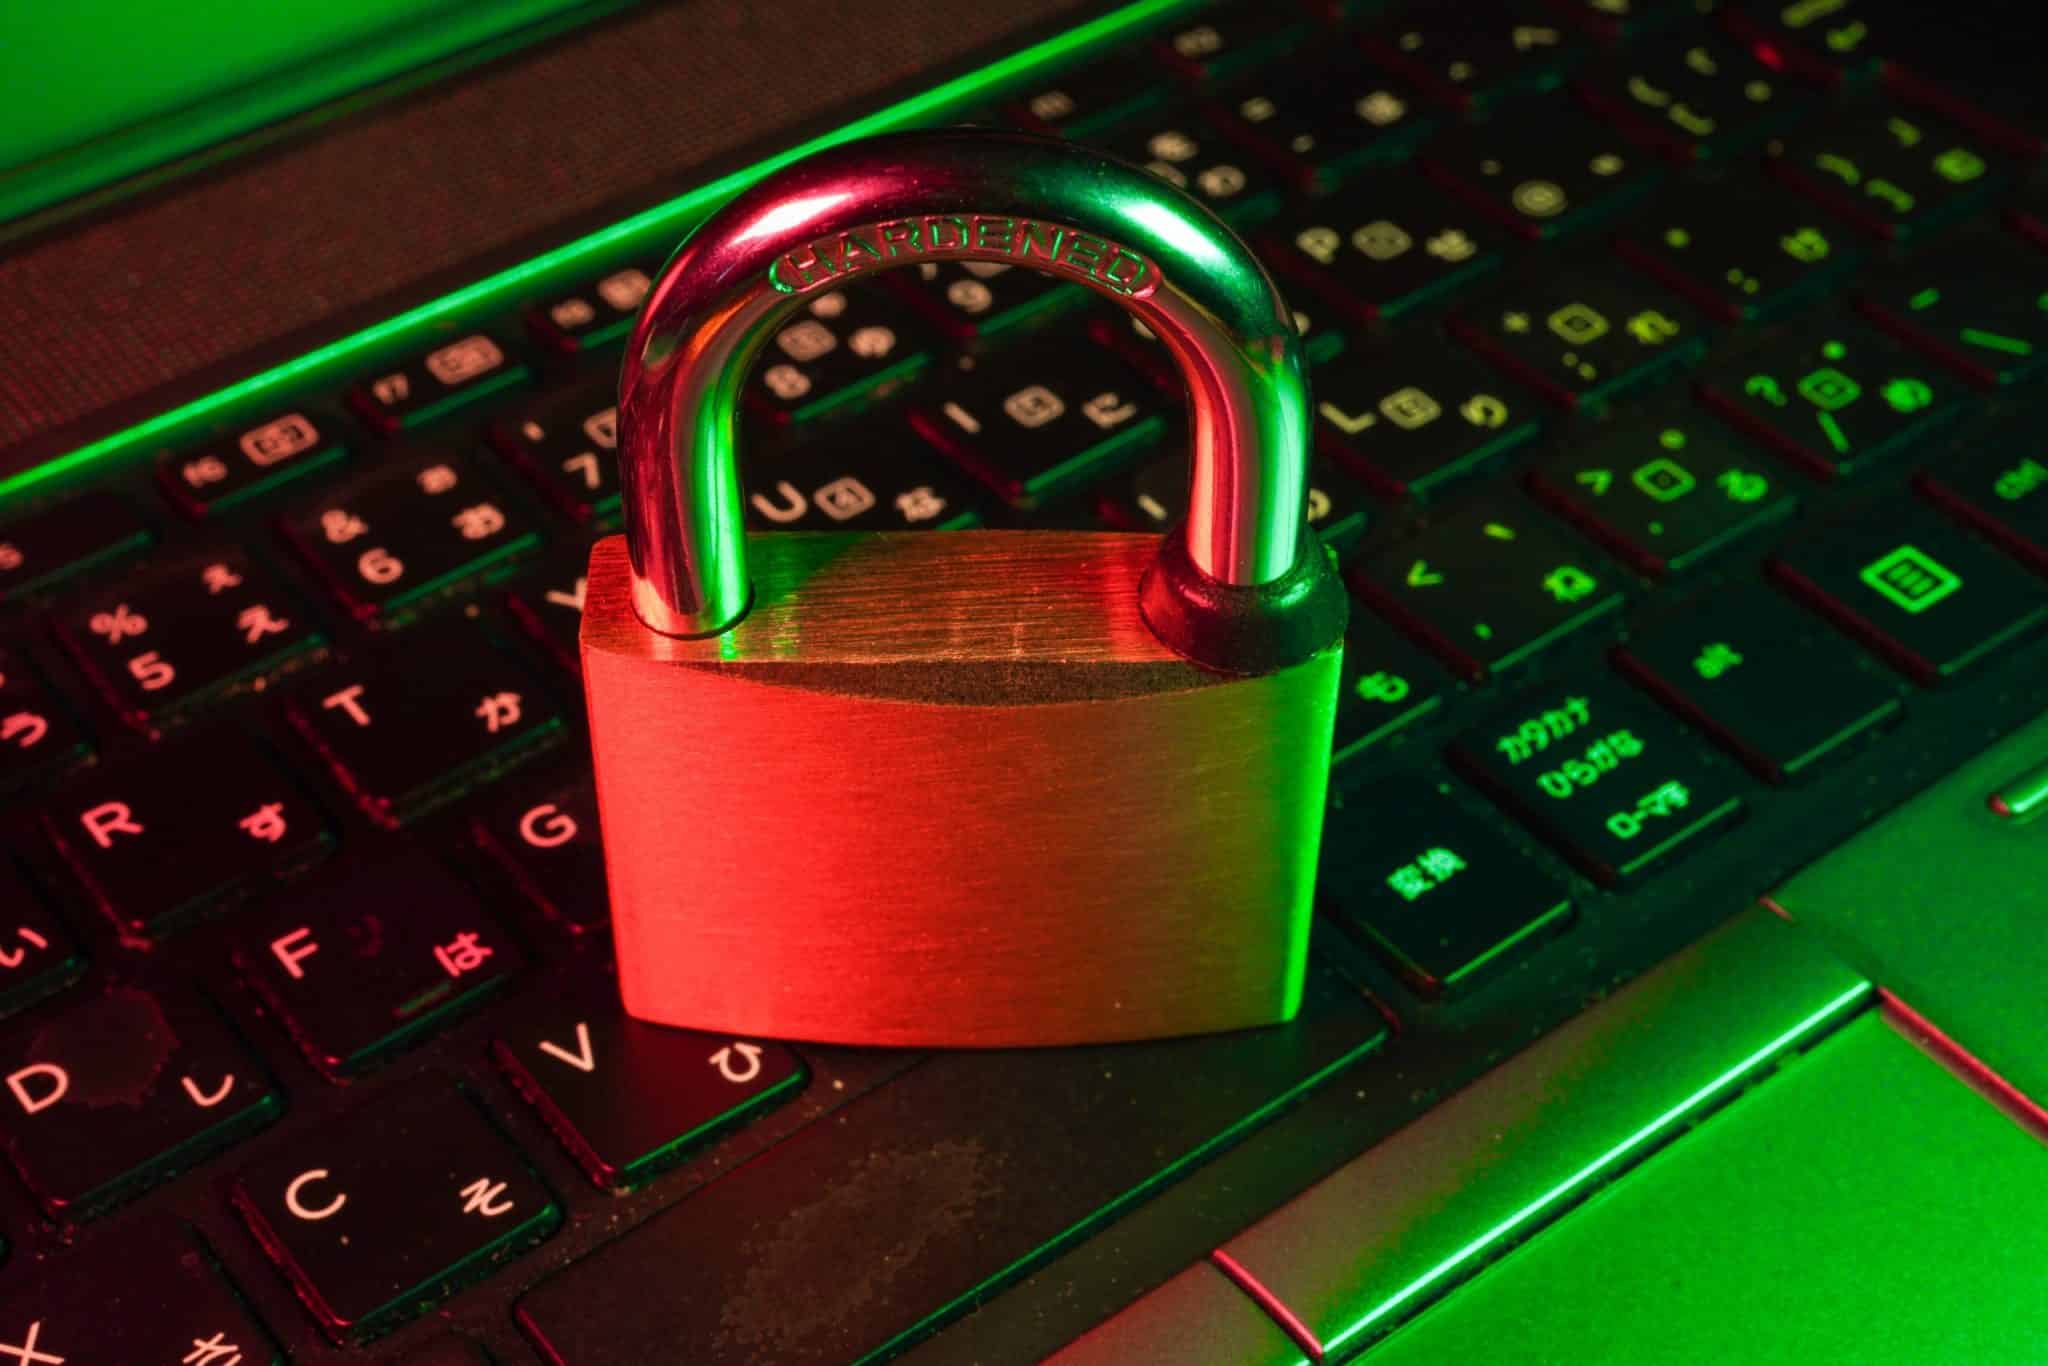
[[1673, 435]]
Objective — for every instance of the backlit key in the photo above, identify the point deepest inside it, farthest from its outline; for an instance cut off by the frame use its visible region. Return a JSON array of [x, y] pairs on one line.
[[1594, 768], [409, 725], [1436, 890], [1764, 678], [173, 828], [187, 632], [122, 1088], [1667, 486], [211, 478], [452, 376], [1490, 585], [382, 1214], [363, 963], [1832, 393], [1917, 589], [629, 1099]]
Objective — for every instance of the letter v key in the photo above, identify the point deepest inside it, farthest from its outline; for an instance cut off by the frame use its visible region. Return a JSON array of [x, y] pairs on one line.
[[583, 1059]]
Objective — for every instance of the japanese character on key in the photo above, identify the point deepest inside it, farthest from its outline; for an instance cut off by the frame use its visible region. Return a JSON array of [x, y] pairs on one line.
[[1410, 881], [265, 823], [213, 1351], [498, 711], [1439, 863], [464, 954], [11, 958]]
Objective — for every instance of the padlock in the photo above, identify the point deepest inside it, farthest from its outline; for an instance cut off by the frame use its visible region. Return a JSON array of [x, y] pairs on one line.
[[962, 788]]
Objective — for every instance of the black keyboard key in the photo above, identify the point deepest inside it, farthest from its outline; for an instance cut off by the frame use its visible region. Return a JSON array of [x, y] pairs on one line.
[[417, 527], [1324, 117], [186, 632], [1913, 587], [593, 314], [1029, 1150], [1583, 332], [1979, 305], [361, 964], [1387, 686], [847, 347], [876, 474], [1667, 486], [1435, 890], [1994, 475], [1224, 41], [145, 1293], [1893, 173], [1694, 94], [121, 1089], [246, 464], [175, 828], [1470, 54], [567, 444], [1156, 496], [543, 828], [452, 376], [1416, 417], [630, 1099], [546, 599], [1740, 248], [384, 1213], [39, 736], [1178, 146], [1490, 585], [1387, 246], [1831, 394], [1763, 678], [49, 545], [415, 721], [1549, 170], [1054, 413], [972, 301], [1618, 786], [37, 952]]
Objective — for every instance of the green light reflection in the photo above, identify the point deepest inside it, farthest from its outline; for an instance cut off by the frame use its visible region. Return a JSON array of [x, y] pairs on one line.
[[674, 212], [1851, 999]]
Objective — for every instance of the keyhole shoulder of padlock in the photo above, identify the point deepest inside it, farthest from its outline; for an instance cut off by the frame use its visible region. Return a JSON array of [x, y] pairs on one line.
[[1239, 585]]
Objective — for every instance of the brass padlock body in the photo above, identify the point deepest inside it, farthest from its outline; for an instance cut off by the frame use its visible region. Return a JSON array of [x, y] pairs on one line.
[[949, 787]]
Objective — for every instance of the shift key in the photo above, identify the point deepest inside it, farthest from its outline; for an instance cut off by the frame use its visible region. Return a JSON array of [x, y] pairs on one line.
[[913, 1203]]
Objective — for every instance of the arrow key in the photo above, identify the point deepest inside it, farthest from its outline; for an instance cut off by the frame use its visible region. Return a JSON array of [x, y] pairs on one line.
[[628, 1099], [1490, 585]]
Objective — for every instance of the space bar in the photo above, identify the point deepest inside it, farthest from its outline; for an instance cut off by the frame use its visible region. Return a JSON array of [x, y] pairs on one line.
[[872, 1227]]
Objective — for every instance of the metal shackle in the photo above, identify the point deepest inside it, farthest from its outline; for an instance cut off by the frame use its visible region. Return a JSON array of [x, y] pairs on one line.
[[976, 195]]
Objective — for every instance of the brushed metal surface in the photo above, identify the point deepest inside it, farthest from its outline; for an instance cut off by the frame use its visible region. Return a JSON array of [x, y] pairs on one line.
[[985, 809]]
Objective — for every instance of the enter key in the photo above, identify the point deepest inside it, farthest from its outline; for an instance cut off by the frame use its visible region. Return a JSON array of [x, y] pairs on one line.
[[1940, 904]]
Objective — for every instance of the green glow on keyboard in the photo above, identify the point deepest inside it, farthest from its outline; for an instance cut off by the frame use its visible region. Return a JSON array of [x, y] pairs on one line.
[[683, 208], [1848, 1002]]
